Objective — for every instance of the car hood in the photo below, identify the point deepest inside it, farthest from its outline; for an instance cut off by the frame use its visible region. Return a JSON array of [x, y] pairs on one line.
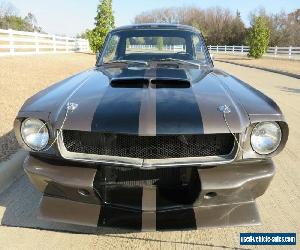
[[133, 107]]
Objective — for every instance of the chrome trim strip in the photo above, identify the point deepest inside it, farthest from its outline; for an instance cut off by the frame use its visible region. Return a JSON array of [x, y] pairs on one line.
[[147, 163]]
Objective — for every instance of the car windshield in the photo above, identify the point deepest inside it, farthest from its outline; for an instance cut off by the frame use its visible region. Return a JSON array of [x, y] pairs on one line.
[[154, 45]]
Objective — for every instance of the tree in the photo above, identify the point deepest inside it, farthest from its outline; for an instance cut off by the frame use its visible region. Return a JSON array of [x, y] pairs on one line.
[[218, 25], [7, 9], [9, 19], [293, 28], [237, 34], [284, 27], [140, 41], [83, 34], [160, 43], [104, 22], [222, 26], [259, 37], [31, 21]]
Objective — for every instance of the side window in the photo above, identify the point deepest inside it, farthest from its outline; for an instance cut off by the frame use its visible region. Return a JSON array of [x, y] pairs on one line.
[[110, 51], [199, 48]]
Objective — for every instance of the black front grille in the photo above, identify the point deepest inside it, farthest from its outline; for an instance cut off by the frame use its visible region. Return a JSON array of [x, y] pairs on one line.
[[148, 147]]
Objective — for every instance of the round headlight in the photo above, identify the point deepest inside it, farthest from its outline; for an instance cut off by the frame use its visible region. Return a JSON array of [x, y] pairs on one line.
[[265, 137], [35, 134]]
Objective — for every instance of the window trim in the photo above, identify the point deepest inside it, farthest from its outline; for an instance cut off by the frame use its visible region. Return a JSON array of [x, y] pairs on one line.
[[99, 62]]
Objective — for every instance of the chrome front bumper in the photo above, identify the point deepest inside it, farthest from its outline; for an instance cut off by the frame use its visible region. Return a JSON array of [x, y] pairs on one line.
[[227, 198]]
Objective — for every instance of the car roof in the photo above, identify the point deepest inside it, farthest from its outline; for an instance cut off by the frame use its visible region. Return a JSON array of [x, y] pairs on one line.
[[156, 26]]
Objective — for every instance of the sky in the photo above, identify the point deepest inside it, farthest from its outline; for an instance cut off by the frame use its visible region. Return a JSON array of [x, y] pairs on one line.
[[69, 17]]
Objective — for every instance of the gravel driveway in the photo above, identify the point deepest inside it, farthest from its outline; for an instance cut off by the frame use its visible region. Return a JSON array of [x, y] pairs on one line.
[[291, 66], [279, 207]]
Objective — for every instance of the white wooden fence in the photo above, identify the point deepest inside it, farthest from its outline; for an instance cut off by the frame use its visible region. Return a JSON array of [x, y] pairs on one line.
[[280, 52], [13, 42]]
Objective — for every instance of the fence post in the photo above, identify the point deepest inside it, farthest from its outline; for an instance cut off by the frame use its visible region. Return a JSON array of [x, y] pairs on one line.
[[290, 52], [275, 51], [233, 49], [36, 42], [242, 49], [54, 43], [82, 46], [11, 42], [217, 48], [225, 48], [76, 46], [209, 48], [67, 44]]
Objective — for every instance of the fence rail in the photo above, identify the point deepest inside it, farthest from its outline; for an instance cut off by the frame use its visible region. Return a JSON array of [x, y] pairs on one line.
[[174, 48], [13, 42], [280, 52]]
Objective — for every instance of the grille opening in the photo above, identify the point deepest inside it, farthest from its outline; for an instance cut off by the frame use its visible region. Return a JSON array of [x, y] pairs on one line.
[[171, 83], [129, 83], [148, 147], [122, 186]]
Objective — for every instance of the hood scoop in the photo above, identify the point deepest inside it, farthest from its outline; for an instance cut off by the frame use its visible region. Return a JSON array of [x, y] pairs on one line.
[[129, 83], [170, 83], [154, 83]]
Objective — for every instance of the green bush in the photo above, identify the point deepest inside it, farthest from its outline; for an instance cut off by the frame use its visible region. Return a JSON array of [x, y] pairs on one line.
[[104, 22], [259, 37]]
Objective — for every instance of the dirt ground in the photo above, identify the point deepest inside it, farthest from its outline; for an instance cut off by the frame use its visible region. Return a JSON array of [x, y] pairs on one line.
[[291, 66], [23, 76], [20, 229]]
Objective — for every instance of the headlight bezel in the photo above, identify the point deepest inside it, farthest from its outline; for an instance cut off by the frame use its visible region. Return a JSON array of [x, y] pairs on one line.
[[33, 147], [276, 145]]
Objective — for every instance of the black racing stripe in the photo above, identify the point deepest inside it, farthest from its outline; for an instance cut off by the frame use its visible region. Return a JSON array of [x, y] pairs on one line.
[[120, 218], [177, 112], [124, 196], [118, 111], [183, 192], [128, 72], [167, 197], [176, 219], [114, 193], [171, 73]]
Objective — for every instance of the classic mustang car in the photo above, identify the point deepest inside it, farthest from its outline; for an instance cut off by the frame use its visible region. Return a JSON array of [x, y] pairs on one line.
[[152, 138]]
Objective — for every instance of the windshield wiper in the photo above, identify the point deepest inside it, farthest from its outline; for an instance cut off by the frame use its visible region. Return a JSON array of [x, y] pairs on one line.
[[179, 61], [127, 62]]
